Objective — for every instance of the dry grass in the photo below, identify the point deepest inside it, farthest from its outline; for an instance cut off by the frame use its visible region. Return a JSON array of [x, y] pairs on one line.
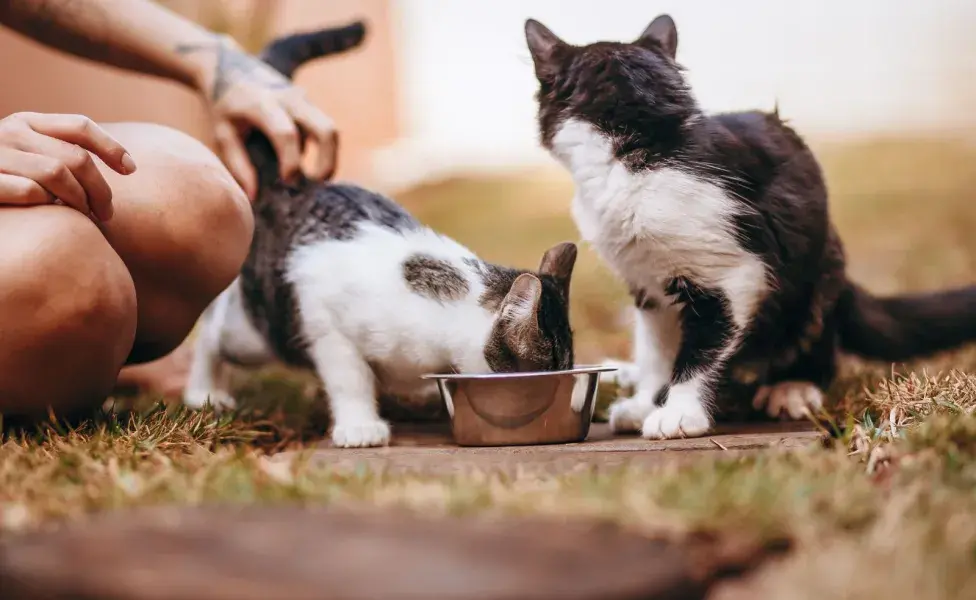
[[888, 511]]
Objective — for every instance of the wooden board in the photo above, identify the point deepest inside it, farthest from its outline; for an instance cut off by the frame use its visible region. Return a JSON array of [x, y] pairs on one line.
[[287, 552], [429, 449]]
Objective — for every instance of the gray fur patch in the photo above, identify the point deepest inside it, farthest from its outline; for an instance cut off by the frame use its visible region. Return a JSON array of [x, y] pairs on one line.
[[434, 278], [287, 217], [497, 281]]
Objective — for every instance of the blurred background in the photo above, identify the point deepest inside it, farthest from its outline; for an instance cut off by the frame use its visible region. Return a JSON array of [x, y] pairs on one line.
[[437, 110]]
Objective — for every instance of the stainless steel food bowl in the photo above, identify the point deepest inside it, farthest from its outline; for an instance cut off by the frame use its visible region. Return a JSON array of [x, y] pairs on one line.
[[513, 409]]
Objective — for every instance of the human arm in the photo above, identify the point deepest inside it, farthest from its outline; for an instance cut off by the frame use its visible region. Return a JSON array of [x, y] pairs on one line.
[[240, 90]]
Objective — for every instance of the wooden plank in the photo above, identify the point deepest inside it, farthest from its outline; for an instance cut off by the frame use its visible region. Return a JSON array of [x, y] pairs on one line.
[[244, 553], [428, 449]]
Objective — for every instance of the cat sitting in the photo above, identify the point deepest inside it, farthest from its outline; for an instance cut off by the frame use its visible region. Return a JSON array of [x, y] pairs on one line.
[[346, 282], [720, 226]]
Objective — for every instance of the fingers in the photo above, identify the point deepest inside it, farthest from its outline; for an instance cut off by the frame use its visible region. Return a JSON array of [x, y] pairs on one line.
[[278, 125], [235, 156], [280, 114], [53, 151], [15, 189], [50, 173], [321, 130], [82, 131], [96, 192]]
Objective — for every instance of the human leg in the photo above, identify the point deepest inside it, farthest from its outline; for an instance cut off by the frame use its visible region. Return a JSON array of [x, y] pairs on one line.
[[67, 311], [79, 300], [182, 226]]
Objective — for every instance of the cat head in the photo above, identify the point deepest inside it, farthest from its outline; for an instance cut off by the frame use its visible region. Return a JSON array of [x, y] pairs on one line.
[[531, 330], [634, 93]]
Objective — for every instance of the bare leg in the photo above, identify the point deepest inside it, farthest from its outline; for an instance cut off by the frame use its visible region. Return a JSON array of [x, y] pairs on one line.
[[182, 226], [163, 377], [67, 311], [78, 301]]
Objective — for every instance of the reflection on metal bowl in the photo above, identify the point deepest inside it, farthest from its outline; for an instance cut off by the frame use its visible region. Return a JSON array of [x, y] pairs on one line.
[[512, 409]]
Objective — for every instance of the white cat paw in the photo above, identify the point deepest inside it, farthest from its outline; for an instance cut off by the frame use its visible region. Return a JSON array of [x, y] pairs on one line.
[[362, 434], [198, 399], [627, 415], [578, 400], [676, 420], [626, 376], [797, 399]]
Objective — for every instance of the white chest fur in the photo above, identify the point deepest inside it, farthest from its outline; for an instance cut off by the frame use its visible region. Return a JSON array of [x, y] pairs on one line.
[[657, 224]]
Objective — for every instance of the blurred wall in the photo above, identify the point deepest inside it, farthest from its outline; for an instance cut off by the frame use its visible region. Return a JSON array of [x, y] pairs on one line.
[[839, 70], [357, 91]]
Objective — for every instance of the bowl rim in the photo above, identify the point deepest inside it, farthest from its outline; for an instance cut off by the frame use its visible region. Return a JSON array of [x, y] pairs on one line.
[[581, 370]]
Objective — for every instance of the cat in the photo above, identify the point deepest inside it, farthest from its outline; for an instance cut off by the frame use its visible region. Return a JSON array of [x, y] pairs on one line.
[[344, 281], [719, 224]]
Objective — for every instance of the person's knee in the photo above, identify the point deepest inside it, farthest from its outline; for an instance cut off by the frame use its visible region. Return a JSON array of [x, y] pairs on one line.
[[216, 225], [184, 228], [68, 310], [70, 274], [209, 218]]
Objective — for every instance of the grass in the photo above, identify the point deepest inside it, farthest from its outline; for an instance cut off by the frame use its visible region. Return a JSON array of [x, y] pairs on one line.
[[887, 510]]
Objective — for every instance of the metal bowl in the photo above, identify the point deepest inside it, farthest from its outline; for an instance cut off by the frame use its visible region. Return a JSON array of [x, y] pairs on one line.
[[514, 409]]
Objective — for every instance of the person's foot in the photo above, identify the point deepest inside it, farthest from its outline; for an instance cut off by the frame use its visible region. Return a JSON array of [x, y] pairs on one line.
[[163, 377]]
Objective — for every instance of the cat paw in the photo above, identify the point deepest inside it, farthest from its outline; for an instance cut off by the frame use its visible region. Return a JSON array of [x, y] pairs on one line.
[[626, 376], [361, 435], [628, 415], [578, 400], [797, 399], [676, 420], [219, 400]]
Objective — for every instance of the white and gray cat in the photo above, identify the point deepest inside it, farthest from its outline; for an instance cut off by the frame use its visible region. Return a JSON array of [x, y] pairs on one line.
[[346, 282]]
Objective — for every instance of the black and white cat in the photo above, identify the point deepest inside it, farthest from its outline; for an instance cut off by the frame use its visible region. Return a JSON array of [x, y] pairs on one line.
[[345, 281], [719, 224]]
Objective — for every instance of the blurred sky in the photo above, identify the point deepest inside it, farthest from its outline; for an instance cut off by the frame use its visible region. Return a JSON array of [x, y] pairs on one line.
[[837, 68]]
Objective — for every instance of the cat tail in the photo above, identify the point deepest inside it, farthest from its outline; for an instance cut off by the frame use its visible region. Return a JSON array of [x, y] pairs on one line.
[[899, 328], [288, 53]]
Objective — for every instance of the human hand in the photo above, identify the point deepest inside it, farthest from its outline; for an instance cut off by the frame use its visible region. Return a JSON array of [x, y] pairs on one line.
[[242, 91], [45, 158]]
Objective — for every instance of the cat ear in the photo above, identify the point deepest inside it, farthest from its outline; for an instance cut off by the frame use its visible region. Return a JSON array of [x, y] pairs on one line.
[[663, 33], [559, 261], [521, 304], [542, 45]]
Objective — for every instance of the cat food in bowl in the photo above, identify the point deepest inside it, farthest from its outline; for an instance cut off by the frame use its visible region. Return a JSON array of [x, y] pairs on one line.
[[514, 409]]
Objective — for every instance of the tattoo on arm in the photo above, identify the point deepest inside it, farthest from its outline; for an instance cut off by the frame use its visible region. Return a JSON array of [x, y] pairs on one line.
[[102, 31], [233, 65]]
